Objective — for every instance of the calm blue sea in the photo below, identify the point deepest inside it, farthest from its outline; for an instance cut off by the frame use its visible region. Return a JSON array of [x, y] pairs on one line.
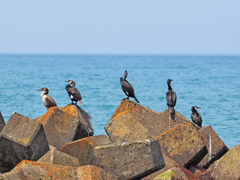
[[211, 82]]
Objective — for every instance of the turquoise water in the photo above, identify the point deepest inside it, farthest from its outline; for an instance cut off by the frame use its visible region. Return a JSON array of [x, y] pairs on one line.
[[211, 82]]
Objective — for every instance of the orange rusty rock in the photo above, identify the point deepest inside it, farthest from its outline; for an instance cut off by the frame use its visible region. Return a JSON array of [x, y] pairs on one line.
[[126, 132], [133, 108], [47, 114], [153, 122], [69, 110], [93, 172], [61, 128], [51, 170], [82, 149], [56, 172]]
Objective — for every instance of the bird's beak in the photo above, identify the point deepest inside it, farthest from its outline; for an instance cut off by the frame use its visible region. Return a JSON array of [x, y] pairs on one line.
[[66, 81], [39, 90], [199, 107], [171, 79]]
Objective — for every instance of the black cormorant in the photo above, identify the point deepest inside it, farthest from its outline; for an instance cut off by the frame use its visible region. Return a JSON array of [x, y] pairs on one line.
[[127, 87], [171, 97], [73, 92], [47, 100], [196, 117]]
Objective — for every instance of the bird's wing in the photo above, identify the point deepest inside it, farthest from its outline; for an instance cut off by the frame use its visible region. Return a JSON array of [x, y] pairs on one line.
[[127, 88], [50, 102], [76, 93], [171, 98]]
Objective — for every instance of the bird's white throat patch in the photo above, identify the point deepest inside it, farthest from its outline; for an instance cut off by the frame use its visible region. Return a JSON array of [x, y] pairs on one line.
[[71, 97]]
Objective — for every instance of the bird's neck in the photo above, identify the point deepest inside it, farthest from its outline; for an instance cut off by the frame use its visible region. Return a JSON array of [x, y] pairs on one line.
[[121, 79], [43, 94], [194, 110], [169, 87]]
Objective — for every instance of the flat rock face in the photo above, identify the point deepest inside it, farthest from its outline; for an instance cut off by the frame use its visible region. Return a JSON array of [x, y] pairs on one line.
[[124, 127], [90, 172], [84, 118], [21, 138], [216, 147], [2, 122], [26, 172], [83, 148], [56, 172], [155, 123], [227, 167], [129, 160], [169, 163], [56, 157], [172, 174], [183, 144], [61, 128]]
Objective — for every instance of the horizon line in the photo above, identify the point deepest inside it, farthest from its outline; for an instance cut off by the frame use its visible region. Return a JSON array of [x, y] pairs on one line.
[[119, 54]]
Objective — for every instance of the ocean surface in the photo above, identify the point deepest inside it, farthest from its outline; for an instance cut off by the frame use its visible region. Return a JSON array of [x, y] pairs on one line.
[[211, 82]]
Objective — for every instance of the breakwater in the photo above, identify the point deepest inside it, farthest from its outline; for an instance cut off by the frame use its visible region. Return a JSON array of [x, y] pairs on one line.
[[141, 144]]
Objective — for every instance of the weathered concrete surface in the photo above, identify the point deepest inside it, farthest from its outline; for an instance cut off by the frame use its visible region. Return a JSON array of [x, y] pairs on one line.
[[129, 160], [197, 172], [170, 163], [154, 123], [61, 128], [227, 167], [183, 144], [79, 113], [21, 138], [27, 172], [2, 122], [83, 148], [216, 147], [124, 128], [189, 174], [57, 172], [172, 174], [90, 172], [56, 157]]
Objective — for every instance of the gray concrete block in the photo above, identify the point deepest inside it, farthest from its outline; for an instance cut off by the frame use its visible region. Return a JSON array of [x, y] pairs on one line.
[[129, 160], [21, 138], [54, 156], [216, 147], [83, 148], [62, 126], [2, 122]]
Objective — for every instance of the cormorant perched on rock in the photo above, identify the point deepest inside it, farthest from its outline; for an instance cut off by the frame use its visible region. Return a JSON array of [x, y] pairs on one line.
[[127, 87], [196, 117], [171, 97], [47, 100], [73, 92]]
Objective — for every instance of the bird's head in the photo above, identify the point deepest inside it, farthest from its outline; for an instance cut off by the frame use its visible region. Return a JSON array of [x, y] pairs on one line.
[[169, 81], [195, 107], [125, 74], [71, 82], [45, 90]]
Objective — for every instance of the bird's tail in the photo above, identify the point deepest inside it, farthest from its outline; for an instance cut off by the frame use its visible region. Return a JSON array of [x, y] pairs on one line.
[[171, 109], [136, 99], [80, 102]]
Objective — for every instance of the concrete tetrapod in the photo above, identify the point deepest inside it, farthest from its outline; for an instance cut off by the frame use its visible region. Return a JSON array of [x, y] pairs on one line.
[[21, 138]]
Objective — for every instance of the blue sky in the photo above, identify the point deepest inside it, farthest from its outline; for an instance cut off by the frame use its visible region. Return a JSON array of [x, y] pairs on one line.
[[120, 27]]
